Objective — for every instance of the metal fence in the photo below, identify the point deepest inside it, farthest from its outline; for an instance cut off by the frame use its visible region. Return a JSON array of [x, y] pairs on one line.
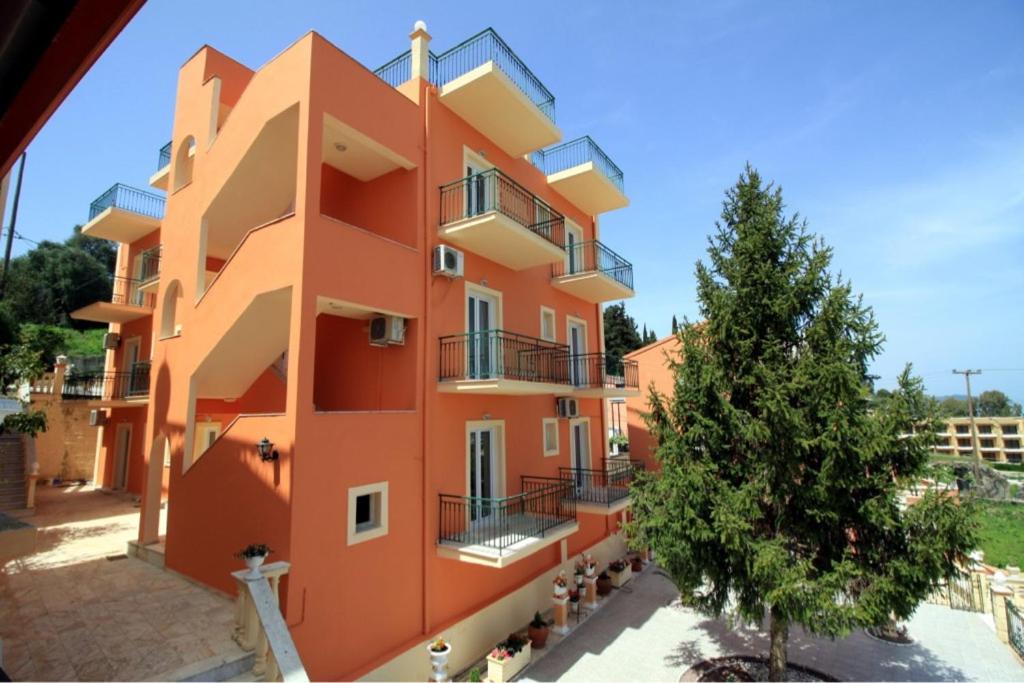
[[149, 264], [496, 354], [108, 385], [962, 592], [594, 257], [575, 152], [1015, 627], [600, 487], [492, 190], [600, 371], [499, 523], [128, 199], [126, 290], [165, 156]]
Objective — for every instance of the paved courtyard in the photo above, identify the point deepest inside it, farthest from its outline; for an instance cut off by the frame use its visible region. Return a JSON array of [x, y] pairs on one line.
[[644, 635], [69, 613]]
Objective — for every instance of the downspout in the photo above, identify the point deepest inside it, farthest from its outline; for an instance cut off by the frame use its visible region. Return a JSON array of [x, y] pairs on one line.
[[424, 334]]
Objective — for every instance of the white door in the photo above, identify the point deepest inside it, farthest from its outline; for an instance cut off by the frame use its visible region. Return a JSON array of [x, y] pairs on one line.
[[482, 472], [482, 339], [478, 189], [578, 372], [122, 445], [579, 438], [573, 250]]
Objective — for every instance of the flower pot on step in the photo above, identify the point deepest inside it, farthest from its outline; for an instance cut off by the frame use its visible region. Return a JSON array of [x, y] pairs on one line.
[[503, 670]]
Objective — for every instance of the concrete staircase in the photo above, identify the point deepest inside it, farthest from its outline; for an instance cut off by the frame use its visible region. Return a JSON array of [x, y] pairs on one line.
[[12, 472]]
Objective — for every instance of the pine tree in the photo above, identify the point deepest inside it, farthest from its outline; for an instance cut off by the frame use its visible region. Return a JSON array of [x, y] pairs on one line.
[[644, 337], [620, 336], [675, 325], [777, 491]]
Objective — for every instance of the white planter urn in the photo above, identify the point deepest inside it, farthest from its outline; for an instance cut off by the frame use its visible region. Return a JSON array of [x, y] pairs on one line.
[[590, 570], [561, 591], [253, 563], [439, 662]]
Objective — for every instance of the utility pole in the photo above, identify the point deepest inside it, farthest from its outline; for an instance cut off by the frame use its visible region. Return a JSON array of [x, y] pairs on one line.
[[970, 411], [10, 228]]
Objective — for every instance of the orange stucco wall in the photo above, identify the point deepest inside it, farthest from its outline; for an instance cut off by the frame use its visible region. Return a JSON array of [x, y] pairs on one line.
[[654, 372], [346, 414]]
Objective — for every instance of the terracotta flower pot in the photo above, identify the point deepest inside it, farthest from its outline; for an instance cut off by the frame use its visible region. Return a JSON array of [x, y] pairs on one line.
[[538, 636], [637, 565], [604, 585]]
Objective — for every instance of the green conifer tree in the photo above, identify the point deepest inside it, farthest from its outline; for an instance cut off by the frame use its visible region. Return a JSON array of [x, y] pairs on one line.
[[777, 492]]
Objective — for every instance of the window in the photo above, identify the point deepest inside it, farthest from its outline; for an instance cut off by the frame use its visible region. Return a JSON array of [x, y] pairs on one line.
[[961, 429], [550, 435], [547, 323], [206, 435], [988, 443], [367, 512], [1009, 429], [985, 429], [963, 443], [1011, 443]]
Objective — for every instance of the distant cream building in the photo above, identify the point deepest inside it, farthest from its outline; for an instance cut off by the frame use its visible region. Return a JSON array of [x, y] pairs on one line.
[[999, 438]]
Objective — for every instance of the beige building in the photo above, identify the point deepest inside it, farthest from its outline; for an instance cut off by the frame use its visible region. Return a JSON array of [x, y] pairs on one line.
[[999, 438]]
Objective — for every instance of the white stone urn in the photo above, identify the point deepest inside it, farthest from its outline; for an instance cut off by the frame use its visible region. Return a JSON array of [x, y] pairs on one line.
[[439, 661], [254, 562], [561, 591]]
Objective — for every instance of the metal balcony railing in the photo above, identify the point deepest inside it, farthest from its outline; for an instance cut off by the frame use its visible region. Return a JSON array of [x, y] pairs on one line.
[[594, 257], [496, 354], [149, 264], [486, 46], [492, 190], [126, 291], [128, 199], [601, 487], [600, 371], [108, 386], [575, 152], [499, 523], [165, 156]]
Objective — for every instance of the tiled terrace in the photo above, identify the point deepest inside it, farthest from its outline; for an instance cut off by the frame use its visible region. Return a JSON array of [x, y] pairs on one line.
[[69, 613]]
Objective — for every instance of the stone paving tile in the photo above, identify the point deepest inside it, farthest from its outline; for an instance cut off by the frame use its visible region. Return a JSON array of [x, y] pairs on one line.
[[646, 636], [68, 613]]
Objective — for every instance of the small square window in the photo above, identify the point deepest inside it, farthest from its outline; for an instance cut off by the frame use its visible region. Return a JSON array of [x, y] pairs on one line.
[[550, 436], [367, 512]]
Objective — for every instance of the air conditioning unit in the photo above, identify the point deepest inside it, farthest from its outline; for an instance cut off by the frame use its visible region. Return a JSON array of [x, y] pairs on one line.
[[97, 418], [387, 329], [111, 340], [568, 407], [448, 261]]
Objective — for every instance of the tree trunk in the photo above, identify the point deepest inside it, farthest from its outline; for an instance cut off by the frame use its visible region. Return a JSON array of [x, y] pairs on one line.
[[777, 655]]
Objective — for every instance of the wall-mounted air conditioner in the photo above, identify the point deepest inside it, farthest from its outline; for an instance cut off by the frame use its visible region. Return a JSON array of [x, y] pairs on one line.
[[568, 407], [111, 340], [387, 329], [448, 261], [97, 418]]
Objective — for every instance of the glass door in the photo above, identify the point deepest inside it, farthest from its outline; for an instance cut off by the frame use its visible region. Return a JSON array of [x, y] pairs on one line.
[[577, 354], [579, 432], [482, 486], [481, 337], [476, 190], [573, 250]]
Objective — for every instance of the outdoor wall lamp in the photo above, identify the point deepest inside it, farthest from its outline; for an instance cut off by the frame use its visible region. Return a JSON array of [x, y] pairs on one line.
[[266, 450]]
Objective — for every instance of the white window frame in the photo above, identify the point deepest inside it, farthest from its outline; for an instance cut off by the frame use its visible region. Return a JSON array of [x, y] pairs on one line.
[[356, 535], [546, 310], [202, 438], [545, 422]]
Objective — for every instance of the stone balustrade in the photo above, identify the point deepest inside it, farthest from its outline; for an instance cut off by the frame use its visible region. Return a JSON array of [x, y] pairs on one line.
[[260, 628]]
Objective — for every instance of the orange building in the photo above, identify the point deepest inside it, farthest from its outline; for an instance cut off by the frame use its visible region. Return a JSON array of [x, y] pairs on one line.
[[653, 372], [365, 328]]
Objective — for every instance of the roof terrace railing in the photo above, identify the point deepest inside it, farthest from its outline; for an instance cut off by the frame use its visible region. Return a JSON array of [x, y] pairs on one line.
[[575, 152], [128, 199], [486, 46], [165, 155]]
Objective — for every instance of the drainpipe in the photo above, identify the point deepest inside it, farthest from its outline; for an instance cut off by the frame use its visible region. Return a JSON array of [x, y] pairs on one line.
[[420, 69]]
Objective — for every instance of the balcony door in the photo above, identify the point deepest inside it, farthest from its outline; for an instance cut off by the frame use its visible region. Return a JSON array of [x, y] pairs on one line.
[[483, 472], [131, 357], [577, 336], [122, 446], [573, 249], [477, 190], [482, 340], [579, 448]]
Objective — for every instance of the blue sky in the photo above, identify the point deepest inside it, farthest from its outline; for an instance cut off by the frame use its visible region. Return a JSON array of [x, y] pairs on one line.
[[896, 129]]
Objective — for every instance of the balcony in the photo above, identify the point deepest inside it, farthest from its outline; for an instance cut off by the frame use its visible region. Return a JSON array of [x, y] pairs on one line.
[[594, 273], [110, 389], [602, 492], [499, 531], [491, 215], [127, 302], [159, 180], [124, 214], [582, 173], [149, 269], [595, 375], [496, 362]]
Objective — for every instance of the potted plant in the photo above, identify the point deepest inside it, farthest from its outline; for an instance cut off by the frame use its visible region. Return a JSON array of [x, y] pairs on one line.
[[561, 585], [508, 658], [604, 584], [589, 566], [621, 441], [637, 563], [439, 649], [254, 554], [538, 631], [620, 573]]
